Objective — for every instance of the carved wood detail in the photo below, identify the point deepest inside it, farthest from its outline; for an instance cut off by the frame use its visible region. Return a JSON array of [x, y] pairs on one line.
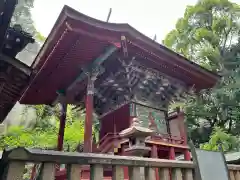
[[129, 80]]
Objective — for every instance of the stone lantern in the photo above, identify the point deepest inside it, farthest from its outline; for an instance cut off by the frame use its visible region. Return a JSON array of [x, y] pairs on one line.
[[137, 135]]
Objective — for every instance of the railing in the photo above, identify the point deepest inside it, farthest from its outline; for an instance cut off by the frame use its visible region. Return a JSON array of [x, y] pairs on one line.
[[106, 137], [16, 159], [167, 138], [107, 142]]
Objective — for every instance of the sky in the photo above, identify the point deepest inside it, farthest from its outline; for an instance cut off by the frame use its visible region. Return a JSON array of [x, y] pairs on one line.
[[148, 16]]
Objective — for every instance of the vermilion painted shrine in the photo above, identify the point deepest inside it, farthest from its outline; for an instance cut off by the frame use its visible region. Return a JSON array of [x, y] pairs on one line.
[[124, 77]]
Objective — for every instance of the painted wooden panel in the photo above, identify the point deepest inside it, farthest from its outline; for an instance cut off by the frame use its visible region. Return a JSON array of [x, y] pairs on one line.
[[159, 117], [174, 128]]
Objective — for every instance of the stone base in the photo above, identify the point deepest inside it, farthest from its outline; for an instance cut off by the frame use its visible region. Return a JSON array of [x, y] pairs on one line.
[[138, 150]]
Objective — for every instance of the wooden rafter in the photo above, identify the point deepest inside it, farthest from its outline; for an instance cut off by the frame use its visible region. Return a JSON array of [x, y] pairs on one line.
[[12, 83]]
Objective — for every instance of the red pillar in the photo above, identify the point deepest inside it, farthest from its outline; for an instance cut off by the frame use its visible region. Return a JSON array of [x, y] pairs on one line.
[[89, 116], [182, 127], [154, 154], [33, 174], [187, 155], [172, 153], [125, 168], [62, 126], [183, 131], [171, 157]]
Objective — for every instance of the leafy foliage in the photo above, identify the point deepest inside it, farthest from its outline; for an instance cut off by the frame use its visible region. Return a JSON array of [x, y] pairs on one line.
[[74, 134], [22, 15], [45, 131], [208, 34], [218, 138]]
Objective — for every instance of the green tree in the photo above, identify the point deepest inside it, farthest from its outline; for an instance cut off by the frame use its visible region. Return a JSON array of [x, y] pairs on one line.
[[74, 134], [219, 137], [43, 131], [208, 35], [22, 15], [39, 137], [206, 32]]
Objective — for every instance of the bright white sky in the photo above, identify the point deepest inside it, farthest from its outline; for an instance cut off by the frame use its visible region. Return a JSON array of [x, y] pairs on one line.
[[148, 16]]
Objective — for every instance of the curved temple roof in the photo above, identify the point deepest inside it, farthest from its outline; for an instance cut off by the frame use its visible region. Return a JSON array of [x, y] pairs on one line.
[[76, 40]]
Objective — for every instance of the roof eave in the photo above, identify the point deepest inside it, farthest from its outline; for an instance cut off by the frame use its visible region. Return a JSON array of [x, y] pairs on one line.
[[70, 13], [58, 24], [135, 34]]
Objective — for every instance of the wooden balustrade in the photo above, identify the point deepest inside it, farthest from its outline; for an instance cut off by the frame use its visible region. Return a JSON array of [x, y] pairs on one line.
[[16, 159], [167, 138], [106, 143], [106, 137]]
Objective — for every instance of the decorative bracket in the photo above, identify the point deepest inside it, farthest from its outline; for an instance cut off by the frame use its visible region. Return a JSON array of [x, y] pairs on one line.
[[124, 46], [92, 73], [61, 98], [94, 67]]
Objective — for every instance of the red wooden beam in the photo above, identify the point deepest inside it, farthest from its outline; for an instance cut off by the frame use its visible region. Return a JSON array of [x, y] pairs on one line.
[[62, 126], [88, 117], [98, 61]]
